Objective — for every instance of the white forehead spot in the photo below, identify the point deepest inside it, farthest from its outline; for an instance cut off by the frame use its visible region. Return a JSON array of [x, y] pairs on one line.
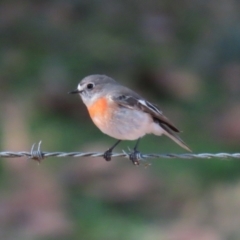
[[79, 87]]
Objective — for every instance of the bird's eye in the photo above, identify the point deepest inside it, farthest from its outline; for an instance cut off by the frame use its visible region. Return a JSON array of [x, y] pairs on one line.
[[90, 86]]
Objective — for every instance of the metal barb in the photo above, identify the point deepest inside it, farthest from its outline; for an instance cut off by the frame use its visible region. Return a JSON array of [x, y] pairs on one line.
[[37, 155]]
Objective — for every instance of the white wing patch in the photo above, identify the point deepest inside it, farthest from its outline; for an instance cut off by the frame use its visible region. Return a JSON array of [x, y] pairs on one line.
[[150, 106], [133, 102]]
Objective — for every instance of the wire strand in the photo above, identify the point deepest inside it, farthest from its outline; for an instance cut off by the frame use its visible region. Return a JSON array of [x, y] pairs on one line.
[[38, 155]]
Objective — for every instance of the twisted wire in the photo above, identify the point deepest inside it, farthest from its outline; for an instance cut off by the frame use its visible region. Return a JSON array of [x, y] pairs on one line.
[[39, 155]]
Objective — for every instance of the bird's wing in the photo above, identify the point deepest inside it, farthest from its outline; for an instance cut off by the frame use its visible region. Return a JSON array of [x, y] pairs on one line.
[[134, 101]]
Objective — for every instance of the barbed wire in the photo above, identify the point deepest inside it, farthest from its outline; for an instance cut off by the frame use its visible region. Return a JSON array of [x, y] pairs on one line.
[[39, 155]]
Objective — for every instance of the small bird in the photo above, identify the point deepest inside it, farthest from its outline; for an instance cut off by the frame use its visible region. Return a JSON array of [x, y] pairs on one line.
[[123, 114]]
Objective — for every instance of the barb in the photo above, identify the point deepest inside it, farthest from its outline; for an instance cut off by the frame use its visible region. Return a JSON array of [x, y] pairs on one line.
[[39, 155]]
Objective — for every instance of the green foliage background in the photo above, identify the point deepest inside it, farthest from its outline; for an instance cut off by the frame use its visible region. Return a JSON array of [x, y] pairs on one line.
[[182, 55]]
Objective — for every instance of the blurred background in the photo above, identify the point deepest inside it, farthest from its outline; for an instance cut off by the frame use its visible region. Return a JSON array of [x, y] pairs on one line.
[[183, 56]]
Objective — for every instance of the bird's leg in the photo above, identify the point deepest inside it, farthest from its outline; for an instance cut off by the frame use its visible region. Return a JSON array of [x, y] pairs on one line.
[[134, 156], [107, 155]]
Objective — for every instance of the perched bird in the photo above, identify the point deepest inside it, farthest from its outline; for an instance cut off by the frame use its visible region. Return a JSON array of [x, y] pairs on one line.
[[123, 114]]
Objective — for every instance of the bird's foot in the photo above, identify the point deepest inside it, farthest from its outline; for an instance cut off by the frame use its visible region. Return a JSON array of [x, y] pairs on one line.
[[108, 155], [135, 156]]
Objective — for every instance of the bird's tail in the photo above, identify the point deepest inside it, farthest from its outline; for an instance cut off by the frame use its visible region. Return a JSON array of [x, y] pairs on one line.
[[171, 134]]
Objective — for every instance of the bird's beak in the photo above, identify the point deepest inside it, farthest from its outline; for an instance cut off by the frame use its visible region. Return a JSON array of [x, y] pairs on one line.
[[74, 91]]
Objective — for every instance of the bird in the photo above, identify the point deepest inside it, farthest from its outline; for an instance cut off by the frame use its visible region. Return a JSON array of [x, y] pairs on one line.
[[123, 114]]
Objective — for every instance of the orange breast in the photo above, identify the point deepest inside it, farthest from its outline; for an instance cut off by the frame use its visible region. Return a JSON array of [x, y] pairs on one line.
[[98, 109]]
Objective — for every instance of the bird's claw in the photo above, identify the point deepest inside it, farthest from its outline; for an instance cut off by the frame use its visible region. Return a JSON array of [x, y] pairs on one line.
[[135, 156], [107, 155]]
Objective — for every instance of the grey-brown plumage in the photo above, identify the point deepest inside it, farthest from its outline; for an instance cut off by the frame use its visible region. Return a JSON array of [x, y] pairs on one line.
[[132, 100], [123, 114]]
